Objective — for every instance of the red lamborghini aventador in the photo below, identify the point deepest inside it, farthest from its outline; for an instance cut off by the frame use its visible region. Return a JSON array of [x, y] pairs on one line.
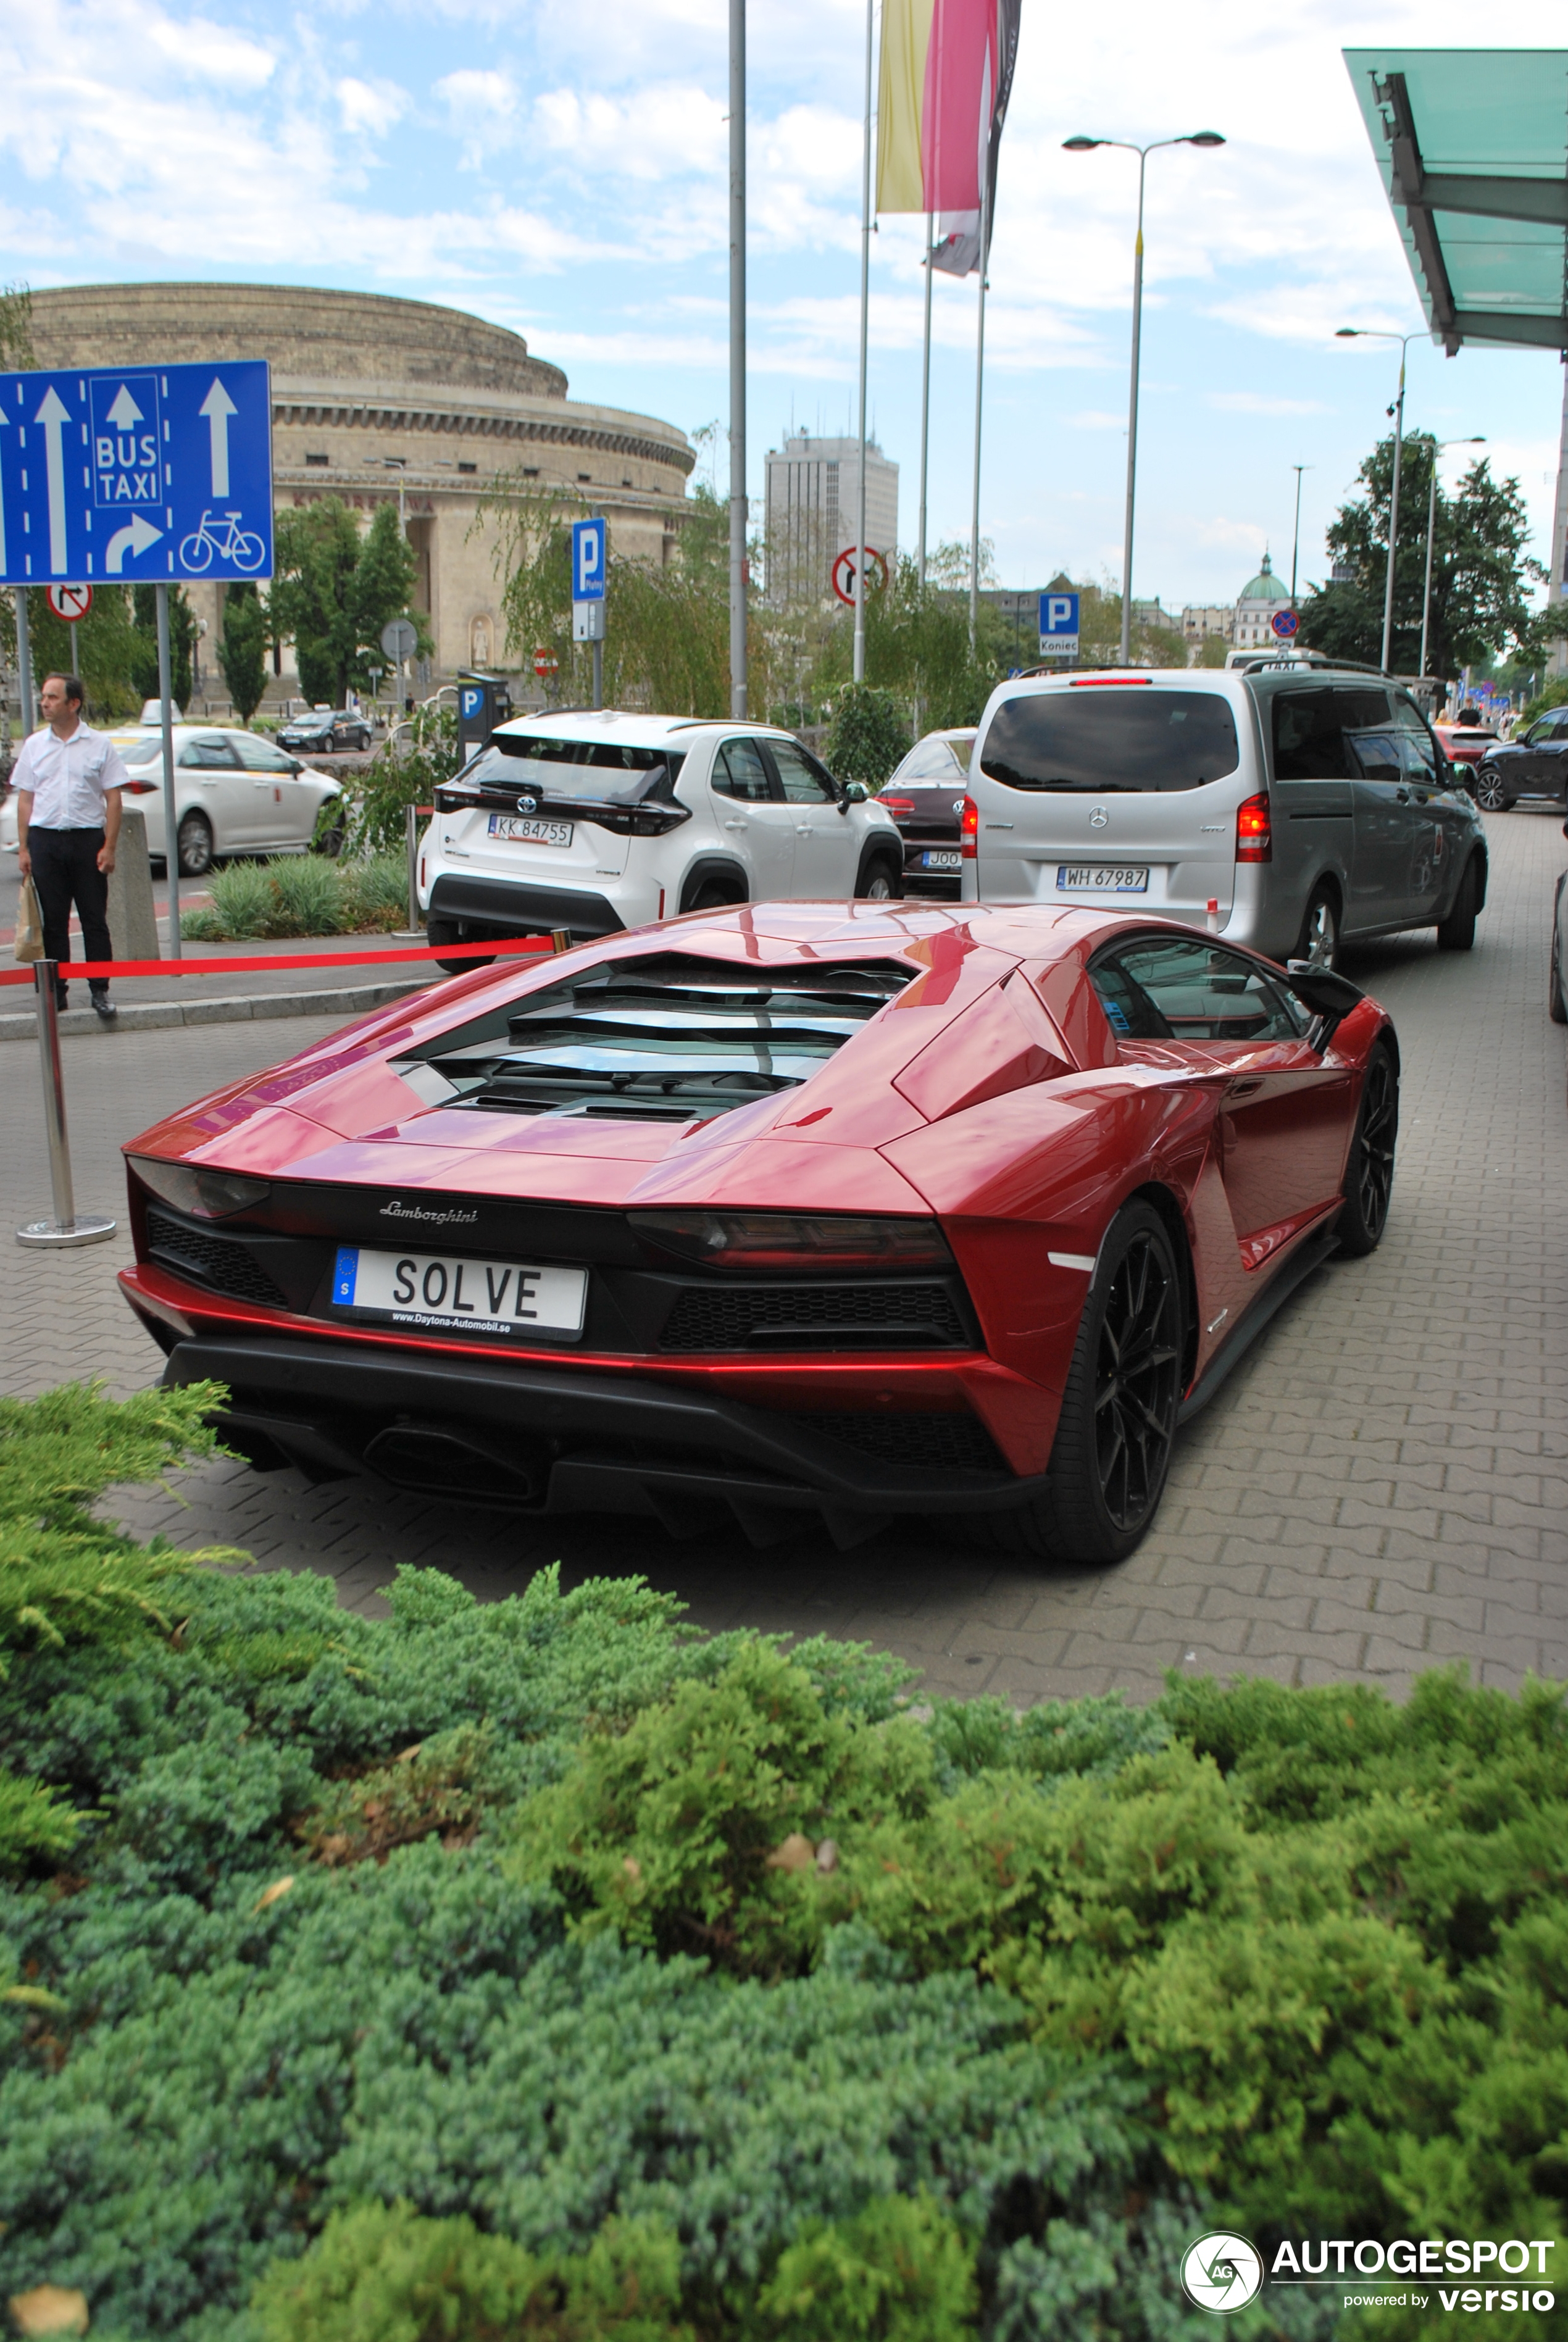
[[793, 1208]]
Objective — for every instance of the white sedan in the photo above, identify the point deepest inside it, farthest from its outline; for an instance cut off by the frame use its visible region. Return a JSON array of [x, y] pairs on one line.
[[235, 793]]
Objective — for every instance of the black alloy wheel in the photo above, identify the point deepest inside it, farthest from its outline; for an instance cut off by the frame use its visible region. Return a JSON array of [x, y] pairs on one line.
[[880, 881], [1491, 794], [1118, 1418], [449, 931], [1369, 1167]]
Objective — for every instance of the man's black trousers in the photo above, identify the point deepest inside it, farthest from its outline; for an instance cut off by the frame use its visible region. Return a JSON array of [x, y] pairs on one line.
[[66, 871]]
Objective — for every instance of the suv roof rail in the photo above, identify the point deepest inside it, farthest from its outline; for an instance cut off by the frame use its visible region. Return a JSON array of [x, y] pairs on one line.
[[1255, 663]]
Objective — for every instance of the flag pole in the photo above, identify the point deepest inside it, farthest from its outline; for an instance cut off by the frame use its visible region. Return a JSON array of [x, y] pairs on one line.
[[926, 402], [738, 513], [865, 316], [979, 393]]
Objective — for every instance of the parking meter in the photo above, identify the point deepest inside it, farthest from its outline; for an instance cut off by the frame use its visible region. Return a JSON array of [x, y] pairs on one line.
[[484, 701]]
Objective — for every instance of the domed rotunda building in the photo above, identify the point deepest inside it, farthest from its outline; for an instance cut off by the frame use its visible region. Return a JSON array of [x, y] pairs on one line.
[[378, 400], [1256, 602]]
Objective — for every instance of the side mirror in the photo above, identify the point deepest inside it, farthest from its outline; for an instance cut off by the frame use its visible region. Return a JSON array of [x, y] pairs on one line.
[[1330, 997], [856, 793]]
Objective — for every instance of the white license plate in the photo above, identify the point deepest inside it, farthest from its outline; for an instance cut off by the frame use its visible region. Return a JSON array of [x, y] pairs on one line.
[[523, 829], [487, 1296], [935, 859], [1113, 878]]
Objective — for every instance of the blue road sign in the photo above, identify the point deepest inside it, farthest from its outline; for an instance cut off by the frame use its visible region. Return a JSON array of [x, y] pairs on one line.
[[590, 550], [1058, 625], [471, 702], [145, 473], [1285, 624]]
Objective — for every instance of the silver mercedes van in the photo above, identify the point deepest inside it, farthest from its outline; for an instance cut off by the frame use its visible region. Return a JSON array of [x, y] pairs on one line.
[[1291, 805]]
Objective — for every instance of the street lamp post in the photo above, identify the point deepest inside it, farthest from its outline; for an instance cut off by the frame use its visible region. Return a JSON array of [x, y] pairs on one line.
[[1082, 146], [1437, 447], [1371, 334], [1296, 539]]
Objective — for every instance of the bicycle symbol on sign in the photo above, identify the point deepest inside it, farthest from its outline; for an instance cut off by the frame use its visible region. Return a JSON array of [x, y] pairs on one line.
[[228, 539]]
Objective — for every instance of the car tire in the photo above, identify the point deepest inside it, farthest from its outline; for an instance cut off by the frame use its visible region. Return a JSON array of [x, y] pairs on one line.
[[1369, 1166], [1457, 931], [880, 880], [447, 931], [329, 841], [1490, 792], [710, 894], [1113, 1435], [194, 844], [1556, 1006], [1319, 939]]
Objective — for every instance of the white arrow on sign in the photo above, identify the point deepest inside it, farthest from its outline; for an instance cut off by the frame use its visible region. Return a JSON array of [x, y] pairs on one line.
[[52, 413], [133, 540], [125, 410], [218, 407]]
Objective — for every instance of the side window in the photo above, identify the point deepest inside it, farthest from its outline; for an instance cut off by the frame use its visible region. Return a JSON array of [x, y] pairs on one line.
[[803, 783], [1370, 733], [260, 755], [1308, 739], [1175, 988], [1421, 761], [739, 772], [209, 753]]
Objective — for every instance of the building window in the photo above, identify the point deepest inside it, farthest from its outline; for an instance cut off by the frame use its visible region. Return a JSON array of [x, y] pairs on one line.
[[468, 468], [530, 471], [318, 459], [626, 483], [585, 476]]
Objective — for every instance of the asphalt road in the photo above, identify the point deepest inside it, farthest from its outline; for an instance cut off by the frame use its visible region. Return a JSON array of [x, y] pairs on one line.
[[1381, 1486]]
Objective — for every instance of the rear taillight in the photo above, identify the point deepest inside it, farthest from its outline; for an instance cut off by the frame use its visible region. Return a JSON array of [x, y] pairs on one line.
[[901, 808], [969, 829], [139, 788], [1254, 839], [790, 1240]]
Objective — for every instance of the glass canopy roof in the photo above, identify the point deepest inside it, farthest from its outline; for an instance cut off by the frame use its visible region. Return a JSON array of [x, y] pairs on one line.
[[1472, 146]]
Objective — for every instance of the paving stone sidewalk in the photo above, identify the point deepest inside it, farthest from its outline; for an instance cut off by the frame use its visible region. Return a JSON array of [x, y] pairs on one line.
[[1380, 1488]]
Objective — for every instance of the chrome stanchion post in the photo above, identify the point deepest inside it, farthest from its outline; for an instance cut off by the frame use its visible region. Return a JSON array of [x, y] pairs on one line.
[[411, 839], [66, 1228]]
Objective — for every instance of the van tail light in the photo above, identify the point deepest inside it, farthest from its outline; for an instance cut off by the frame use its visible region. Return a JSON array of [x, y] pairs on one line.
[[969, 830], [1254, 839]]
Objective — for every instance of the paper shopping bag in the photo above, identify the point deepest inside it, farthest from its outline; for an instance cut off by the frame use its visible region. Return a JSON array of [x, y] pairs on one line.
[[28, 942]]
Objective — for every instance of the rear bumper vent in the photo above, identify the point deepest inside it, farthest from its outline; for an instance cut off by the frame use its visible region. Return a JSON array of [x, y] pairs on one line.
[[222, 1262], [934, 1443], [909, 1314]]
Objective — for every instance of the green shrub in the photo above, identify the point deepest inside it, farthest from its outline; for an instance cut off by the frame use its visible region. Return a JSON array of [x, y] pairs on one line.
[[381, 2273], [899, 2271], [868, 734], [308, 896], [375, 892], [241, 905]]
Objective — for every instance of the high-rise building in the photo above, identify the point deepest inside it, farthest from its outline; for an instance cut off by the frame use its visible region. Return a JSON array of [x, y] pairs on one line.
[[813, 511]]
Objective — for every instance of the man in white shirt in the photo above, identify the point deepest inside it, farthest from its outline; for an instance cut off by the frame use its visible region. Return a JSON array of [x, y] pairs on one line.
[[68, 781]]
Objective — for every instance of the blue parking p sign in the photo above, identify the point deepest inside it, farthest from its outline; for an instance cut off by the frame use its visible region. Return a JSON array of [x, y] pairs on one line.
[[589, 550], [1058, 625]]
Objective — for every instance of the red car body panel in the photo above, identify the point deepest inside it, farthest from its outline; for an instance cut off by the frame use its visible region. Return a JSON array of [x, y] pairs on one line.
[[990, 1093]]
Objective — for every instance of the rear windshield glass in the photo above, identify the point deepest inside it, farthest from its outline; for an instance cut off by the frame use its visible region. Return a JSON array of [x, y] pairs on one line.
[[1109, 740], [934, 760], [608, 771]]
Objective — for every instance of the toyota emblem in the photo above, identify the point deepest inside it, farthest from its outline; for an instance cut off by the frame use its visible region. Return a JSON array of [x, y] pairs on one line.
[[1099, 817], [527, 805]]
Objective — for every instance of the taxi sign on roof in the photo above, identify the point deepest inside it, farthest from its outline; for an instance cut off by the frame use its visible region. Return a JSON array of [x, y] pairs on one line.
[[146, 474]]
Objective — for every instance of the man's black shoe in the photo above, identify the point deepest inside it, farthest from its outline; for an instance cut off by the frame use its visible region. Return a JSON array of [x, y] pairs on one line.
[[105, 1007], [61, 999]]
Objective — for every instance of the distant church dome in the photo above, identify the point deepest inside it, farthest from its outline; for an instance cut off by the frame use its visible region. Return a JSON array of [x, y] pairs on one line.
[[1264, 587]]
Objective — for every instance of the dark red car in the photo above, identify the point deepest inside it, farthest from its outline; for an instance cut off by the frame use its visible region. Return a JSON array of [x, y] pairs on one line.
[[925, 797], [858, 1211]]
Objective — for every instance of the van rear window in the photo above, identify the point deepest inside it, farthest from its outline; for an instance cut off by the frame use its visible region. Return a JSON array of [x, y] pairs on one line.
[[1110, 739]]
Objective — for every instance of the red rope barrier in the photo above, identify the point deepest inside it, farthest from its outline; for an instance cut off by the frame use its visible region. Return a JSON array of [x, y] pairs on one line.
[[505, 947]]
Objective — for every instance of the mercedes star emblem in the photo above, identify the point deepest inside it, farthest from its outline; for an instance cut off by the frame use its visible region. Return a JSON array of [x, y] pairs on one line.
[[1099, 817]]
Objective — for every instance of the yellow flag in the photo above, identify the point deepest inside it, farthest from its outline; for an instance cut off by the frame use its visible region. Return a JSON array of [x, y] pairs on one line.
[[900, 98]]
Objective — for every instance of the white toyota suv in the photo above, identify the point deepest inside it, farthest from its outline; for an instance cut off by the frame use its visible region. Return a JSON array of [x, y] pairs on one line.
[[598, 821]]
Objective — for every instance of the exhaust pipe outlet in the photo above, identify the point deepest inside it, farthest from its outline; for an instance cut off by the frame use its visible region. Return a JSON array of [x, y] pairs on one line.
[[435, 1462]]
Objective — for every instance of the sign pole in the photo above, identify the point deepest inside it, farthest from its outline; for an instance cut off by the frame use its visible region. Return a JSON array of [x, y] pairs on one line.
[[25, 660], [738, 510], [858, 657], [171, 829]]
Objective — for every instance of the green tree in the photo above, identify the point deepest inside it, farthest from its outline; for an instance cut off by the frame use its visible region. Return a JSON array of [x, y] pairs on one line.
[[1481, 574], [241, 651], [181, 643], [17, 326], [869, 733], [334, 590], [107, 649]]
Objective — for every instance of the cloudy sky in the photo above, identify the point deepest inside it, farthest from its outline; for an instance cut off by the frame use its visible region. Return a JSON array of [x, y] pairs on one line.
[[562, 169]]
